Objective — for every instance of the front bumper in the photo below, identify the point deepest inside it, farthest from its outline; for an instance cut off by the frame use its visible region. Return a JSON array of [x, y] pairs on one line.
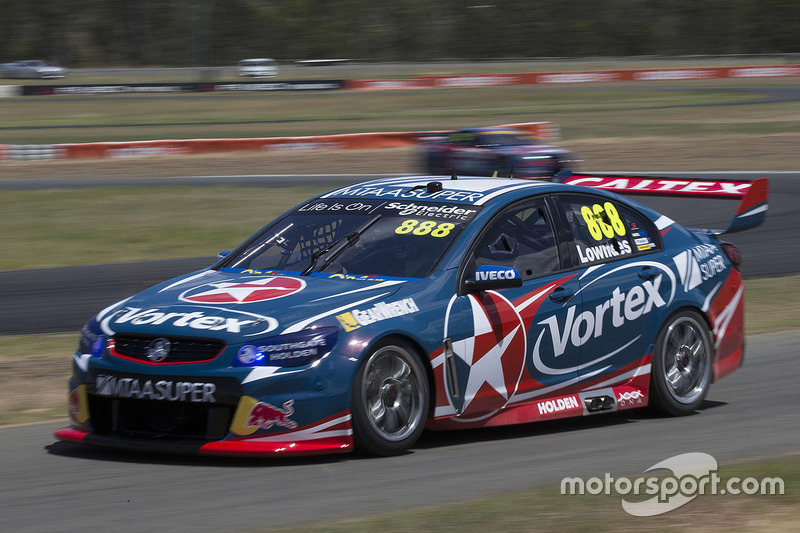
[[326, 437], [219, 411]]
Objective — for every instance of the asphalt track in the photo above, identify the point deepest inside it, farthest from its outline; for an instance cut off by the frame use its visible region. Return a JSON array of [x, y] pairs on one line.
[[62, 299], [49, 486], [53, 486]]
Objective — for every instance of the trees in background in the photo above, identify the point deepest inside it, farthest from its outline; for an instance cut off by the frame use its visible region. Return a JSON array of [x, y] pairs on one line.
[[84, 33]]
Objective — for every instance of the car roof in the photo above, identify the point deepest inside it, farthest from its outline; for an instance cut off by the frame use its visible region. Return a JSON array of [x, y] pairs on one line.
[[464, 190], [494, 129]]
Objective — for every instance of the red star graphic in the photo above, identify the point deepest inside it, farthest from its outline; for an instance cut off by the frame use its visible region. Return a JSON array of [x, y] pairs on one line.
[[250, 291]]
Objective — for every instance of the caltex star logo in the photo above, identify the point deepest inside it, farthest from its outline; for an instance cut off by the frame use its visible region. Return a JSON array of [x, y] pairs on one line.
[[495, 355], [255, 290]]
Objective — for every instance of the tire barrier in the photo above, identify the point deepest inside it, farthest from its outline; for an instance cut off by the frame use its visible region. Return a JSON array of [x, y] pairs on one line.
[[31, 152]]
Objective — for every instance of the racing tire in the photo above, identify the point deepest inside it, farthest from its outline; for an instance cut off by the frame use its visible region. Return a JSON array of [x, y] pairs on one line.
[[683, 360], [390, 399]]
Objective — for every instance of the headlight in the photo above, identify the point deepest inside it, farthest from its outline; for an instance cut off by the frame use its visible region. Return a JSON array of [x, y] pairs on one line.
[[92, 339], [294, 349]]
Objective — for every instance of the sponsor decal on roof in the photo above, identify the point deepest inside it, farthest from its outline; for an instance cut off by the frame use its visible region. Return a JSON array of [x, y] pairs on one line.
[[431, 211], [394, 191]]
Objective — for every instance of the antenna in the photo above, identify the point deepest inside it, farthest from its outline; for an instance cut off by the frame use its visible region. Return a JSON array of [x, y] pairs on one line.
[[453, 175]]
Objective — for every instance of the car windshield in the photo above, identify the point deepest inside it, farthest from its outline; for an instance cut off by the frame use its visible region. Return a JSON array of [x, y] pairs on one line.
[[506, 139], [257, 62], [356, 237]]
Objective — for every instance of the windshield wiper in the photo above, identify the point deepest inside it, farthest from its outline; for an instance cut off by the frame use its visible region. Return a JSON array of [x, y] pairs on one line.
[[267, 244], [351, 239]]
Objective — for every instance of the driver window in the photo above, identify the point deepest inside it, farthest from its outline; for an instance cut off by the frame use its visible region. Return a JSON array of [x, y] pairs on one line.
[[522, 237]]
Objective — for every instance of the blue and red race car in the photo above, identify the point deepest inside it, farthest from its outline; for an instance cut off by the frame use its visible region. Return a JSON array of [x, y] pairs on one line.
[[371, 312], [501, 151]]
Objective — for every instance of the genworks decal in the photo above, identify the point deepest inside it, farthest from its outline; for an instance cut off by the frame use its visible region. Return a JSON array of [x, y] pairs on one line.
[[380, 311]]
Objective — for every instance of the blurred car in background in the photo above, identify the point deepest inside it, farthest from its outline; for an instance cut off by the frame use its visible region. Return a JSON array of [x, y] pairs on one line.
[[258, 68], [484, 151], [32, 68]]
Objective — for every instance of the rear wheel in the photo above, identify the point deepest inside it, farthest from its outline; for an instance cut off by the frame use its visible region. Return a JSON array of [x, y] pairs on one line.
[[390, 399], [682, 364]]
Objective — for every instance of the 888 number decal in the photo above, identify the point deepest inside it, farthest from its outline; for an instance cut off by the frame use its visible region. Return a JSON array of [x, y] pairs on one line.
[[603, 221], [428, 227]]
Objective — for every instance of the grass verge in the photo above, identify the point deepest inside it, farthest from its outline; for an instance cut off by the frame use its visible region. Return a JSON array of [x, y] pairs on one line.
[[548, 510], [107, 225]]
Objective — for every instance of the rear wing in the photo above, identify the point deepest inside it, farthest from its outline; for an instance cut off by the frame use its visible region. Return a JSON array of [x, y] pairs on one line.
[[752, 195]]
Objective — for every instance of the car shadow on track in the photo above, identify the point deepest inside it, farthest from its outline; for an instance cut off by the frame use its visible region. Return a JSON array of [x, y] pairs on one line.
[[99, 453], [430, 440], [436, 439]]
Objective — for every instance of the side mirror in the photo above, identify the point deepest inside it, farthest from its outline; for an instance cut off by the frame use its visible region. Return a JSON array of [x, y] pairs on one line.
[[223, 255], [494, 277]]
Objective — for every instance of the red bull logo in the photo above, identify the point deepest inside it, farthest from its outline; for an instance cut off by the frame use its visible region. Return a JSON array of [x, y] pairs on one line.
[[264, 415]]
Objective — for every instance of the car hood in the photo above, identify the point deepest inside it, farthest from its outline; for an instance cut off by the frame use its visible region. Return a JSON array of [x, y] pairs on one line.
[[235, 307]]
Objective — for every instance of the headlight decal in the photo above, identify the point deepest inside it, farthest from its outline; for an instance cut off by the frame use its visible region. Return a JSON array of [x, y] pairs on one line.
[[92, 340]]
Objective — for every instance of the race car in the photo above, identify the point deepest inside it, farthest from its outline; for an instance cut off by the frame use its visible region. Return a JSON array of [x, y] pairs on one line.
[[32, 68], [369, 313], [491, 151]]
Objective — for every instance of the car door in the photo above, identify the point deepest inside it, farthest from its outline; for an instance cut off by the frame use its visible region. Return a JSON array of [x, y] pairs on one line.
[[502, 345], [624, 287]]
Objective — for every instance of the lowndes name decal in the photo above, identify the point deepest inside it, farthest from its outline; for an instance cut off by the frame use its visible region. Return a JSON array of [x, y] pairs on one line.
[[609, 250]]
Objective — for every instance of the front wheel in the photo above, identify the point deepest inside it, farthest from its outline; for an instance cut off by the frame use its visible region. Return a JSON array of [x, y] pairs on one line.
[[682, 364], [390, 399]]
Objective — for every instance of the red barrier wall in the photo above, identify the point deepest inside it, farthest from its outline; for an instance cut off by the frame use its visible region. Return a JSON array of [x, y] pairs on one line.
[[499, 80], [541, 130]]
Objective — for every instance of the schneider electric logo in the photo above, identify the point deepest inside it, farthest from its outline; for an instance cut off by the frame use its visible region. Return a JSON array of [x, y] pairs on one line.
[[693, 474]]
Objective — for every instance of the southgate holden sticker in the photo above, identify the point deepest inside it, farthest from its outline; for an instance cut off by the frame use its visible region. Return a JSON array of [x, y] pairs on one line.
[[242, 292]]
